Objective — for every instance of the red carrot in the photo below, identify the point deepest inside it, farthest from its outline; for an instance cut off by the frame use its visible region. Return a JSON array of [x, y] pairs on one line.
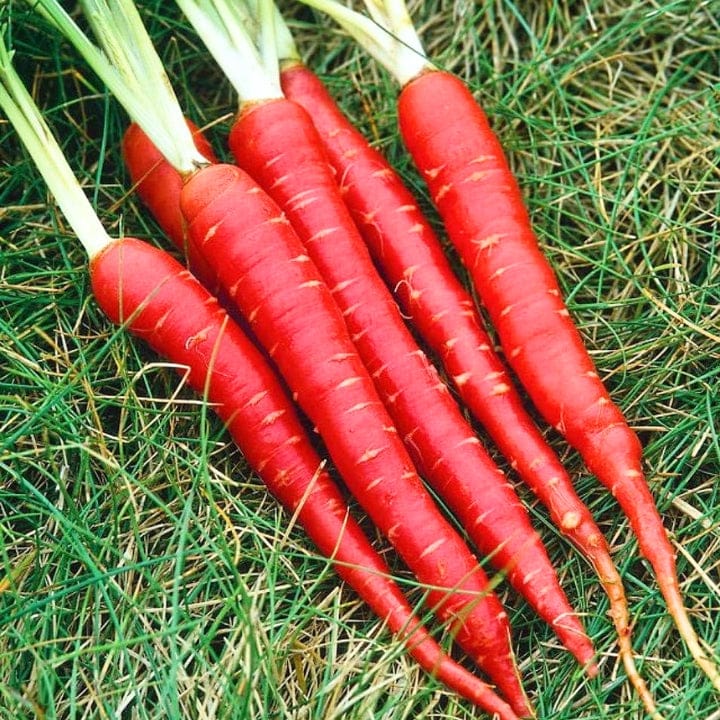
[[261, 264], [159, 301], [265, 269], [462, 161], [406, 249], [506, 497], [277, 145], [275, 142], [156, 182]]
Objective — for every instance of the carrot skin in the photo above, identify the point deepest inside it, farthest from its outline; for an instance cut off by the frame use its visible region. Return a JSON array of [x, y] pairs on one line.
[[452, 144], [264, 268], [278, 145], [161, 303]]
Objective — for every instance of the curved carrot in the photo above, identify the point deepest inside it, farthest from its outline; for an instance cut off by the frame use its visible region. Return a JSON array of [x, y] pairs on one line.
[[465, 168], [406, 249], [264, 268], [159, 301], [277, 144]]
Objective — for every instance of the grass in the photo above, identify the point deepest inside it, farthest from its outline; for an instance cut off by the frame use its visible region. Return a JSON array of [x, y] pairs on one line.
[[145, 573]]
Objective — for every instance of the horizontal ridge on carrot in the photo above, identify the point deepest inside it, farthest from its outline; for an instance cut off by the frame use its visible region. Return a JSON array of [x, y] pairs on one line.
[[274, 140], [452, 144], [263, 267], [159, 301]]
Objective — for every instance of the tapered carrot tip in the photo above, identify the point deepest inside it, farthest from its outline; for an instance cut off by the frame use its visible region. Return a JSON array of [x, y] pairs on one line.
[[619, 612], [573, 636], [584, 653], [522, 708], [478, 692], [655, 546], [518, 700], [637, 682], [505, 674], [686, 631], [670, 588]]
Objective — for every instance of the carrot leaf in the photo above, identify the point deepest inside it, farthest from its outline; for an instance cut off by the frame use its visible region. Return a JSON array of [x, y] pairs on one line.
[[128, 64], [26, 118], [387, 34]]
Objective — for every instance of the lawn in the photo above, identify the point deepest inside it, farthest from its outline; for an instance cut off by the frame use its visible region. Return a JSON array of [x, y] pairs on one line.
[[144, 570]]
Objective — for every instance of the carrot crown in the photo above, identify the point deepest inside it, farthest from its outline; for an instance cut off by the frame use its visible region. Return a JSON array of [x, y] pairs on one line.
[[242, 39], [26, 118], [387, 33], [132, 71]]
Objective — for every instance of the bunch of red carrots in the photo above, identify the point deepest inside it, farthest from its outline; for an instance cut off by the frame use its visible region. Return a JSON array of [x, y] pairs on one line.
[[307, 259]]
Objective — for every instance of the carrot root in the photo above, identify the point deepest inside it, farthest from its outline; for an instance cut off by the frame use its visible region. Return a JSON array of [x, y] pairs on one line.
[[264, 268]]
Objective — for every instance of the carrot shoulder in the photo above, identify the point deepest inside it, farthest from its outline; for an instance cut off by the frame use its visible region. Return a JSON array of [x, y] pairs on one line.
[[159, 184]]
